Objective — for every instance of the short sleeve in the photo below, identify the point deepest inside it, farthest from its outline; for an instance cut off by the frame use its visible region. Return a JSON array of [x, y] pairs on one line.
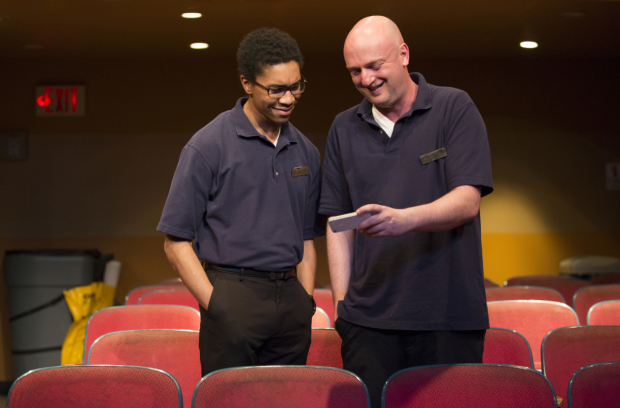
[[468, 160], [314, 223], [189, 193], [335, 197]]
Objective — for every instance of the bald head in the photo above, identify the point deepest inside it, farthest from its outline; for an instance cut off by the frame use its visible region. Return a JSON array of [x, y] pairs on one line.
[[377, 58], [373, 30]]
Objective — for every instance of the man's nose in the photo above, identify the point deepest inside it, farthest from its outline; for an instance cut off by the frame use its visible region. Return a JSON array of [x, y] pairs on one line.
[[287, 98], [367, 77]]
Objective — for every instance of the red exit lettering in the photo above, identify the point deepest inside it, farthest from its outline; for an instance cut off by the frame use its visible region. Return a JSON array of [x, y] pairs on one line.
[[59, 99]]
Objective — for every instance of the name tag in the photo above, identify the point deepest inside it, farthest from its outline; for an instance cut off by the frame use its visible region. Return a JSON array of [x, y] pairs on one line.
[[436, 155], [300, 171]]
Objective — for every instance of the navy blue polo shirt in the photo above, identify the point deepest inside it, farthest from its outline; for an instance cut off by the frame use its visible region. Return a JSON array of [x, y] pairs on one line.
[[420, 280], [245, 202]]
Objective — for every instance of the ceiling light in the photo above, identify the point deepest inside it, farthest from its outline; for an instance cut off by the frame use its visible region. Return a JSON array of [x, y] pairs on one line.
[[191, 15], [528, 44], [199, 46]]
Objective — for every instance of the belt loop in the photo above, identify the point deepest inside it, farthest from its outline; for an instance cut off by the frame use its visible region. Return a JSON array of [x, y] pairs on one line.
[[272, 276], [241, 278]]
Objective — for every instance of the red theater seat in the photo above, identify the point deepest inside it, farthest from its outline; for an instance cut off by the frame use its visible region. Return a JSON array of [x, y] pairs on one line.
[[516, 280], [95, 387], [567, 287], [173, 351], [523, 293], [121, 318], [607, 312], [324, 300], [595, 386], [586, 298], [180, 297], [468, 386], [320, 320], [531, 318], [504, 346], [325, 349], [281, 387], [566, 350], [136, 293]]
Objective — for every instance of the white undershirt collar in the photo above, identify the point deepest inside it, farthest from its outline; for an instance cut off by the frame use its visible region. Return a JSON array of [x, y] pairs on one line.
[[386, 124]]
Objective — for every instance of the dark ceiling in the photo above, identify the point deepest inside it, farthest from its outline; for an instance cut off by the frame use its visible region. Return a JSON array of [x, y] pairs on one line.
[[433, 29]]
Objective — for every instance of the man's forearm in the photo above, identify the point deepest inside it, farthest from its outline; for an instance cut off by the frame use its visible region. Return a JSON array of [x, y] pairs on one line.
[[455, 208], [450, 211], [340, 259], [184, 260], [306, 269]]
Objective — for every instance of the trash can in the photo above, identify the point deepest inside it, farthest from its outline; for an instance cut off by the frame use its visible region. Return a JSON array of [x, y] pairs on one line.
[[38, 312]]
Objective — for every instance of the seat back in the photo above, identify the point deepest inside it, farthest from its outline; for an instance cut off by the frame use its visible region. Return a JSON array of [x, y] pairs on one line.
[[607, 312], [172, 281], [180, 297], [517, 292], [320, 320], [132, 297], [490, 284], [173, 351], [596, 385], [607, 279], [325, 300], [325, 349], [567, 287], [468, 386], [121, 318], [586, 298], [504, 346], [281, 387], [95, 387], [516, 280], [566, 350], [531, 318]]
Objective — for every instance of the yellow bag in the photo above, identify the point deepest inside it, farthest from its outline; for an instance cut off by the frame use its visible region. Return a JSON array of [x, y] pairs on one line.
[[83, 301]]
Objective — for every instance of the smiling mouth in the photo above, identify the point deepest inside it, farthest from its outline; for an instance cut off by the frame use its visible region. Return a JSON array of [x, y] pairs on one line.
[[373, 89], [284, 110]]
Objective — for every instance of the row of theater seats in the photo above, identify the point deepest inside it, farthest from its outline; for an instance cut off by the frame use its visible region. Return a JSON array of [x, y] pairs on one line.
[[121, 342], [571, 358]]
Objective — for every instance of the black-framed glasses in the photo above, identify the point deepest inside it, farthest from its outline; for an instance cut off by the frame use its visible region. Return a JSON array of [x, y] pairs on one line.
[[278, 91]]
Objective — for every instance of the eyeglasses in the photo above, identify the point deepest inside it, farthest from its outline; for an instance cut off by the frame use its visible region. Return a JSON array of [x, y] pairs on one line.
[[278, 91]]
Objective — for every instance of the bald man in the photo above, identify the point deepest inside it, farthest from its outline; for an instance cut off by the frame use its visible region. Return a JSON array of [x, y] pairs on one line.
[[408, 283]]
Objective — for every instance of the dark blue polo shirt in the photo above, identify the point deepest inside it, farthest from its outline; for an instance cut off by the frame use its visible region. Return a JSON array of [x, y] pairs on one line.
[[420, 280], [238, 197]]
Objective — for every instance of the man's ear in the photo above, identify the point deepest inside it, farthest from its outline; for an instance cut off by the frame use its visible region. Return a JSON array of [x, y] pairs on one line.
[[247, 85], [404, 54]]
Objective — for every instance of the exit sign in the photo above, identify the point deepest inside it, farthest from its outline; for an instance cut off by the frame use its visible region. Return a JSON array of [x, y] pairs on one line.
[[60, 100]]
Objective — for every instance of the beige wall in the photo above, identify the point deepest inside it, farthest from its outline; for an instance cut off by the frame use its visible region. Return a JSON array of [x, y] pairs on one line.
[[102, 180]]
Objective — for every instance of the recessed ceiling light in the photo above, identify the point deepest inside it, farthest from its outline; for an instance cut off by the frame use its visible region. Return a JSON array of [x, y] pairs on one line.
[[199, 46], [528, 44], [191, 15]]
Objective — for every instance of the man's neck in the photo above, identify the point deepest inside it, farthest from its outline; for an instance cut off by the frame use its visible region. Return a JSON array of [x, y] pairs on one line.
[[262, 125], [394, 113]]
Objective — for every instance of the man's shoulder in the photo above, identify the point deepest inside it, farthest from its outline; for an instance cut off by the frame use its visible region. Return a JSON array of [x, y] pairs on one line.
[[213, 132], [448, 94]]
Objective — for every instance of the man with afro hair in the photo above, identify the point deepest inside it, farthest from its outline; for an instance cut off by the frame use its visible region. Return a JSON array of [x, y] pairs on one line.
[[246, 193]]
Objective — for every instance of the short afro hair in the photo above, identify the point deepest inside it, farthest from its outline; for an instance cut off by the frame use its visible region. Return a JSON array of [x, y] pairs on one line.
[[265, 47]]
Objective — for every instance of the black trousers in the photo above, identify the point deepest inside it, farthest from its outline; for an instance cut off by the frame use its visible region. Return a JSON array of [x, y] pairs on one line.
[[254, 321], [375, 354]]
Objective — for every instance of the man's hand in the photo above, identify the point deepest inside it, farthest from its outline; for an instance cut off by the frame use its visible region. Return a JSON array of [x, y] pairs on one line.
[[384, 221]]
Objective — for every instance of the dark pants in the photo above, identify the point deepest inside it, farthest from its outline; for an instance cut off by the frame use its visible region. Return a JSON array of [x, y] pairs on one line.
[[254, 321], [375, 354]]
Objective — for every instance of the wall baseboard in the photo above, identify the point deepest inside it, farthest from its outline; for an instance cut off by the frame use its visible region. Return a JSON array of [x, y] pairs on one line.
[[5, 386]]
